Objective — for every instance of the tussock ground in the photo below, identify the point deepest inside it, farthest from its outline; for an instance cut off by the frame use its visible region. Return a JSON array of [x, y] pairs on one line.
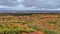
[[30, 24]]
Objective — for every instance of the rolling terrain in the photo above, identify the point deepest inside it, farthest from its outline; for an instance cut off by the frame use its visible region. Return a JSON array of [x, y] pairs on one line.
[[30, 23]]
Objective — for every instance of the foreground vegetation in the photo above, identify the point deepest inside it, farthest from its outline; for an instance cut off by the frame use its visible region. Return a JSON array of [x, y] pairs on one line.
[[30, 24]]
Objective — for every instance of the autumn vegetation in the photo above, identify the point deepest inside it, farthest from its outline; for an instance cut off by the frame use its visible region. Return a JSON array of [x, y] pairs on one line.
[[30, 24]]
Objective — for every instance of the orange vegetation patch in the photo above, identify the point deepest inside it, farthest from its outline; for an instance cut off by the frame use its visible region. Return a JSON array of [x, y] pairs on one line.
[[24, 33], [26, 26], [48, 27], [16, 24], [37, 32], [49, 18]]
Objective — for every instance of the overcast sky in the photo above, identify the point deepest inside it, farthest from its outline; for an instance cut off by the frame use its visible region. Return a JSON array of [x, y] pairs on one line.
[[29, 4]]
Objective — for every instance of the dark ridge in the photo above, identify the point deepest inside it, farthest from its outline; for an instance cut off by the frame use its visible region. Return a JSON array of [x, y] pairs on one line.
[[26, 14]]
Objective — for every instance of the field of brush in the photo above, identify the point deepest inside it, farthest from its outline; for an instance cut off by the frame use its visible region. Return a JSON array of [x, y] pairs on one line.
[[30, 24]]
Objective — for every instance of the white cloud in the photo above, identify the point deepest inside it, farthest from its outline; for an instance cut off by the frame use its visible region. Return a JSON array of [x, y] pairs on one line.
[[20, 0], [2, 6]]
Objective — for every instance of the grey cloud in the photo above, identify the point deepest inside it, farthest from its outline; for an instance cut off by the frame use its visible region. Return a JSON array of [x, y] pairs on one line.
[[42, 3], [30, 4], [18, 7], [8, 2]]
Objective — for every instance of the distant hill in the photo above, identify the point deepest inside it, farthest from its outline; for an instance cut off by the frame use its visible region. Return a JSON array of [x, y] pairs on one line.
[[29, 11]]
